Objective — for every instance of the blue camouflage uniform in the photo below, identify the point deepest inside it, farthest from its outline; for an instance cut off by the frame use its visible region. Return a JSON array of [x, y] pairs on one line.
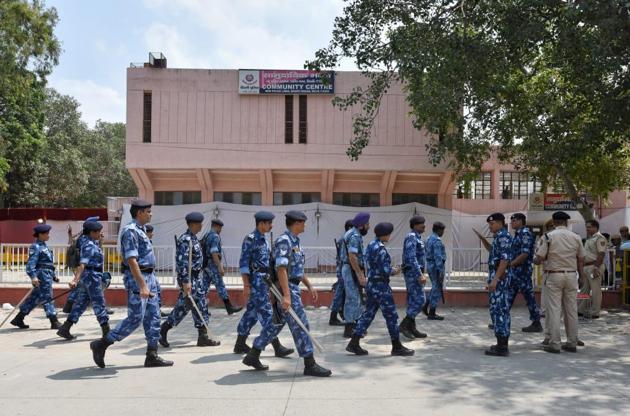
[[337, 300], [211, 273], [352, 243], [199, 289], [289, 254], [40, 265], [254, 262], [379, 293], [436, 258], [523, 242], [499, 299], [413, 260], [90, 284], [135, 243]]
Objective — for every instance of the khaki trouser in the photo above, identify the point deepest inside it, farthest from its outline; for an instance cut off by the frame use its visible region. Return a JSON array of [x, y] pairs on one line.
[[592, 287], [561, 291]]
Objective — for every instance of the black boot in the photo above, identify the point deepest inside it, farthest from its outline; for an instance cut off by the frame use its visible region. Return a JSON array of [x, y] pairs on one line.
[[425, 308], [54, 322], [405, 328], [203, 340], [105, 329], [64, 331], [241, 346], [109, 311], [164, 328], [229, 308], [415, 332], [347, 332], [153, 360], [311, 368], [534, 327], [434, 316], [355, 347], [98, 348], [334, 321], [163, 314], [499, 350], [399, 349], [67, 307], [252, 359], [19, 321], [280, 350]]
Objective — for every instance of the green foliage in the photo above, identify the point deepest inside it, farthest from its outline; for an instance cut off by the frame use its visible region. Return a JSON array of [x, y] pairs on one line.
[[545, 84]]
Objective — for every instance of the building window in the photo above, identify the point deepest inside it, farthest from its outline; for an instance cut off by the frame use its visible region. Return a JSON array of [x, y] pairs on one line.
[[288, 119], [302, 117], [146, 118], [290, 198], [356, 199], [426, 199], [518, 185], [478, 188], [177, 198], [244, 198]]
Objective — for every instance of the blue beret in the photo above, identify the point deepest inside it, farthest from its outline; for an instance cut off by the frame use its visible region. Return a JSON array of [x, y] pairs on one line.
[[139, 203], [361, 219], [518, 216], [148, 228], [561, 215], [217, 222], [416, 219], [264, 216], [41, 228], [194, 217], [383, 228], [296, 215], [88, 219], [92, 226], [497, 216]]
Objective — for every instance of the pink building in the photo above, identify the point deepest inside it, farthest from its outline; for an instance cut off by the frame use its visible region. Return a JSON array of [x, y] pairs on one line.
[[200, 135]]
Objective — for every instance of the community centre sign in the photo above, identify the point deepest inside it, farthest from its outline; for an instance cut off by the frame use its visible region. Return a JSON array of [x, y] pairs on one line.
[[263, 81]]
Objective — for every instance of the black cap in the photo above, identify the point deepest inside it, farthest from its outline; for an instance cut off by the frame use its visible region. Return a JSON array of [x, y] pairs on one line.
[[264, 216], [40, 229], [383, 228], [92, 226], [438, 226], [217, 221], [561, 216], [140, 203], [148, 228], [416, 219], [348, 225], [296, 215], [518, 216], [497, 216], [194, 217]]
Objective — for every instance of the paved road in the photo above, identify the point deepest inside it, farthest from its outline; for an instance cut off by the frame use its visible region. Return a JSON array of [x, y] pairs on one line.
[[40, 374]]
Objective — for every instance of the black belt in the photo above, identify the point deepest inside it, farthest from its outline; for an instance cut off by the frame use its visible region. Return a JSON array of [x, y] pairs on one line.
[[261, 270], [561, 271], [295, 281], [93, 268], [47, 267], [143, 269], [378, 280]]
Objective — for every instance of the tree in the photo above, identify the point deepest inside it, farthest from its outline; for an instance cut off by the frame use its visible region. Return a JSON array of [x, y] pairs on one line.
[[28, 52], [545, 84]]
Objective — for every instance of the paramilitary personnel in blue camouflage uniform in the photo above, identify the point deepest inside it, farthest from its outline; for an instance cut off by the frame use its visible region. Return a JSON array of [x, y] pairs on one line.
[[213, 271], [499, 283], [289, 263], [413, 269], [379, 293], [191, 287], [336, 306], [352, 269], [40, 268], [522, 269], [436, 259], [90, 273], [141, 284], [254, 267]]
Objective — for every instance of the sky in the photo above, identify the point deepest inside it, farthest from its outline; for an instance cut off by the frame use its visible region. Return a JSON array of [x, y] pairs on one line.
[[101, 38]]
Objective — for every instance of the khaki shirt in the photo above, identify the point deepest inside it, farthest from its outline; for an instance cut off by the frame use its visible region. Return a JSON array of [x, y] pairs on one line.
[[594, 245], [560, 248]]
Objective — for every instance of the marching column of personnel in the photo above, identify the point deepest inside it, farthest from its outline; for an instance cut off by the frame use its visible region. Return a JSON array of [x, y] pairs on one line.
[[273, 273]]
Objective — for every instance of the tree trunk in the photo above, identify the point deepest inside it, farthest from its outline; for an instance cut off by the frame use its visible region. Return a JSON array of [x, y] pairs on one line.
[[587, 212]]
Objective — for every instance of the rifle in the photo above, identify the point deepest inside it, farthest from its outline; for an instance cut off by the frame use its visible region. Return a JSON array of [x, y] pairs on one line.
[[272, 278], [191, 301]]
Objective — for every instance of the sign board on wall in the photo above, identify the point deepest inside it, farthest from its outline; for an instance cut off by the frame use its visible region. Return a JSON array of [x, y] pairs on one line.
[[559, 202], [536, 201], [263, 81]]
